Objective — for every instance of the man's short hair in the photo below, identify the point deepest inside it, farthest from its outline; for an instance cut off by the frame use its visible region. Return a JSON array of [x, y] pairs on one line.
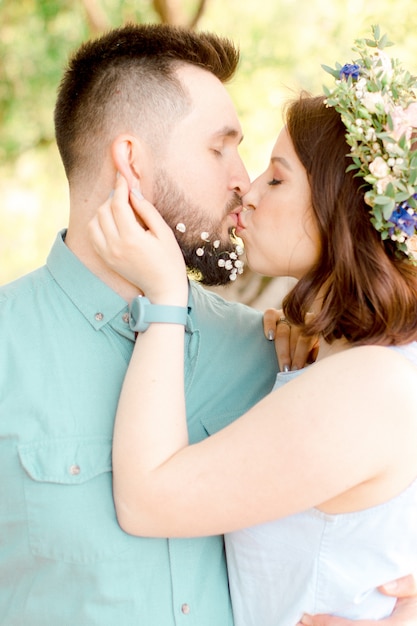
[[124, 81]]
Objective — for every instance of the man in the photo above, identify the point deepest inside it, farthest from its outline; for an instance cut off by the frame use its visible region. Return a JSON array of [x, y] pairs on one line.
[[147, 101]]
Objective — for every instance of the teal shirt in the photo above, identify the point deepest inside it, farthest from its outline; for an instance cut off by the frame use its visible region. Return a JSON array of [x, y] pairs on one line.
[[65, 346]]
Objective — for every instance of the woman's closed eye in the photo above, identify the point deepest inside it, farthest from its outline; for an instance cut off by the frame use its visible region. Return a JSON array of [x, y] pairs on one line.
[[274, 181]]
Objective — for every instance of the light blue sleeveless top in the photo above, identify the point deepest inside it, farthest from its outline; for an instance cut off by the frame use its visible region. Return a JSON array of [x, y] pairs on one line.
[[313, 562]]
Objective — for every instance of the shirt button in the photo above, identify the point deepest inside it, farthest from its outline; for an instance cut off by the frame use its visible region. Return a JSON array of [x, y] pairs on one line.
[[99, 316], [125, 318], [74, 470], [185, 609]]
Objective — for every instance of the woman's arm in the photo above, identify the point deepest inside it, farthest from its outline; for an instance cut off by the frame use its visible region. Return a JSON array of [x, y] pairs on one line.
[[299, 447], [321, 435]]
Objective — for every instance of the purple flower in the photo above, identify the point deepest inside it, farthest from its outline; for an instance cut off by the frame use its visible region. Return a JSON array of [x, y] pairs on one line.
[[402, 219], [350, 69]]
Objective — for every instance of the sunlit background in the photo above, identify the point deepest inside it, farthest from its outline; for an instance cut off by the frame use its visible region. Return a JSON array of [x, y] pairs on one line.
[[283, 44]]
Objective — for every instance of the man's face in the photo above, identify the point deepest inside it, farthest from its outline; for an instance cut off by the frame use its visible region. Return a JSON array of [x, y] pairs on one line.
[[211, 254], [200, 178]]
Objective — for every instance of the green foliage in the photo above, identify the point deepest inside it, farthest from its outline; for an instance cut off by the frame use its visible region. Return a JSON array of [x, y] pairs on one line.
[[36, 38]]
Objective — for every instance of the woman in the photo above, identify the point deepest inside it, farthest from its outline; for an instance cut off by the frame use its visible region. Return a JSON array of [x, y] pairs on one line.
[[326, 493]]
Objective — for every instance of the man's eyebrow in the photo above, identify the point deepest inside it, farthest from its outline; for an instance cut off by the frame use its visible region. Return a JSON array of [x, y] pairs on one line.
[[284, 162], [229, 131]]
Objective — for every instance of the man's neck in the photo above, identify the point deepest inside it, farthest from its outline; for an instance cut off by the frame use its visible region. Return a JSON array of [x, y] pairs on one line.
[[85, 253]]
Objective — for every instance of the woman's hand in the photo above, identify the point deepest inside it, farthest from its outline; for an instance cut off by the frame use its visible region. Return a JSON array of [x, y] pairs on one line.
[[404, 613], [133, 239], [293, 349]]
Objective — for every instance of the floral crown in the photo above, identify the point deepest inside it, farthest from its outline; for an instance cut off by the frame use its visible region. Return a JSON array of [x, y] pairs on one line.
[[377, 102]]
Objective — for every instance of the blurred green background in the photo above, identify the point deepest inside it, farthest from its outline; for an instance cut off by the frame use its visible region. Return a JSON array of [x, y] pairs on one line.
[[282, 43]]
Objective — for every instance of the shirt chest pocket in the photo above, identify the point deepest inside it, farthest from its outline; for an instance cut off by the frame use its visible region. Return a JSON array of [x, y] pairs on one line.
[[68, 493]]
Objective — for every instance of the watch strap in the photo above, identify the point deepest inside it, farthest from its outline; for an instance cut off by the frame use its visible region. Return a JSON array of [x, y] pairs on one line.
[[142, 313]]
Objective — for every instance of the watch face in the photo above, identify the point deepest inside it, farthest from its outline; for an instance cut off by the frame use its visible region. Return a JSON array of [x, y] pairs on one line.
[[137, 310]]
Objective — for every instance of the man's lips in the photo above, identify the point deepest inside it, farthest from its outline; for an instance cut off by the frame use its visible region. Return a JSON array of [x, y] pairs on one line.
[[236, 216], [240, 222]]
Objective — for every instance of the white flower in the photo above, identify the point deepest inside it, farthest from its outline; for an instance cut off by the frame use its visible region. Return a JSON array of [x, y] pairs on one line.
[[411, 244], [398, 171], [370, 134], [369, 198], [379, 168], [392, 147], [359, 87], [383, 183], [370, 100]]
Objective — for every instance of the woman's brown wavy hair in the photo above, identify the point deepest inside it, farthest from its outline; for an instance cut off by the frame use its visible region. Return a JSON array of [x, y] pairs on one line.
[[369, 294]]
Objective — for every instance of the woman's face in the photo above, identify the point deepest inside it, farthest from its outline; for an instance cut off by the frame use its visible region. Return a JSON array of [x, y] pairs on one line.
[[278, 226]]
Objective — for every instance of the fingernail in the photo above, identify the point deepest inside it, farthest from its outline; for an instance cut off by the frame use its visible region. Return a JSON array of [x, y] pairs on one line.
[[294, 368], [271, 335], [137, 194], [286, 368], [391, 586], [307, 620]]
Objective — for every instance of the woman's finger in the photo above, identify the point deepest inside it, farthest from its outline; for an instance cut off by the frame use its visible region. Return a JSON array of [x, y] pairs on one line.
[[283, 343], [123, 212], [150, 216], [270, 319]]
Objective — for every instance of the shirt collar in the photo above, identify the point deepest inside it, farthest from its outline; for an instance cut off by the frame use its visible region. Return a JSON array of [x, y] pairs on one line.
[[97, 302]]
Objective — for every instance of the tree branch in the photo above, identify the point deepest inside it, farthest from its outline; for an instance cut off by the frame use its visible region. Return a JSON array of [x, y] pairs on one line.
[[96, 18], [200, 10], [171, 12]]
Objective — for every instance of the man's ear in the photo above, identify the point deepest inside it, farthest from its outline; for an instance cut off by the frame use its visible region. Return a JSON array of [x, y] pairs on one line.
[[128, 153]]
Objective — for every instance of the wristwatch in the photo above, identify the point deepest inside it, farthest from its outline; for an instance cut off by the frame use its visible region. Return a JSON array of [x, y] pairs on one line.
[[142, 313]]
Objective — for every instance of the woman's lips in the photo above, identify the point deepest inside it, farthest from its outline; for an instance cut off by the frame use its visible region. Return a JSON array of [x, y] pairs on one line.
[[241, 219]]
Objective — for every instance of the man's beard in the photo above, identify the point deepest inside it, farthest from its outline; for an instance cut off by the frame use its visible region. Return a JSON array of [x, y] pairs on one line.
[[209, 259]]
